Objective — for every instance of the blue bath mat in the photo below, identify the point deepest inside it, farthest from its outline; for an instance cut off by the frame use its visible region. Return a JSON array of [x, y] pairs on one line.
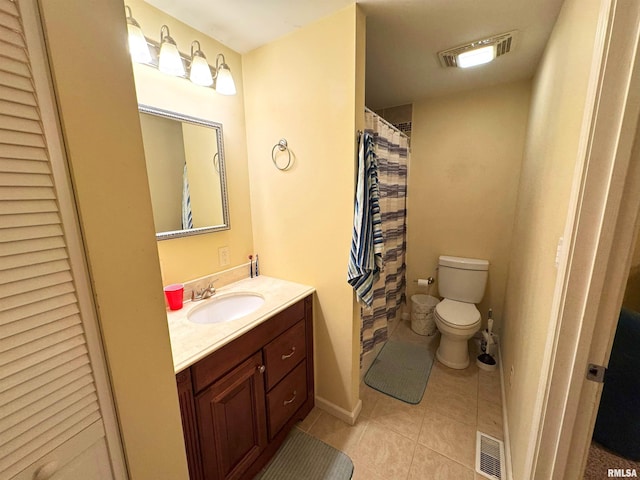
[[302, 456], [401, 370]]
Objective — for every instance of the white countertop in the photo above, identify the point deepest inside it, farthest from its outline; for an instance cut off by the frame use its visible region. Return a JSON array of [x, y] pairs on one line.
[[191, 342]]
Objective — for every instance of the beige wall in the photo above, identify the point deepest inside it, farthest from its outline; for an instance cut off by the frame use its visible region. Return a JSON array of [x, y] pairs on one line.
[[555, 122], [303, 87], [191, 257], [361, 54], [94, 86], [466, 153]]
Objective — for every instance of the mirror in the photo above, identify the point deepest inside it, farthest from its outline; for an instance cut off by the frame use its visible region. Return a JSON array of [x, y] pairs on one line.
[[185, 166]]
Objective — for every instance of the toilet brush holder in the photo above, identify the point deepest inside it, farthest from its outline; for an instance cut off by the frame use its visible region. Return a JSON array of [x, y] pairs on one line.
[[486, 362]]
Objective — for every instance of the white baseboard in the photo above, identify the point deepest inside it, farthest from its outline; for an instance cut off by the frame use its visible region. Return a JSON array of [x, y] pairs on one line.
[[505, 420], [339, 412]]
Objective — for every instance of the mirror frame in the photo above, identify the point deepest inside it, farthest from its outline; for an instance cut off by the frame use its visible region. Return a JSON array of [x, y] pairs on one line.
[[217, 127]]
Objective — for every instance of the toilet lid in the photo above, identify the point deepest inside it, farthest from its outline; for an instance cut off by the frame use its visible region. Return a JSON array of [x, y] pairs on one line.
[[458, 314]]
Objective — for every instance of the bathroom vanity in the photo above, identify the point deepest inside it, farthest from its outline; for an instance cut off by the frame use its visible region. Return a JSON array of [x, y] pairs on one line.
[[239, 401]]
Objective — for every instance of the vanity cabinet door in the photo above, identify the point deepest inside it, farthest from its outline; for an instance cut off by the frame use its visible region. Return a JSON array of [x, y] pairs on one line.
[[232, 421], [189, 424]]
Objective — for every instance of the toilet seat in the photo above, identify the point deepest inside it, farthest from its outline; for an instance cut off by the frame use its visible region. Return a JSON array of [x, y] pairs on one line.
[[457, 314]]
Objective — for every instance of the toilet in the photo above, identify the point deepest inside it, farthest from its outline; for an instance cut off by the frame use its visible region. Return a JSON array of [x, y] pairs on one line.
[[461, 283]]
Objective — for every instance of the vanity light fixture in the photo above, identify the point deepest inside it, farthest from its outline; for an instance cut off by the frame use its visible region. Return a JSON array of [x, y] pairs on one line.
[[224, 80], [166, 57], [199, 71], [169, 60], [138, 47]]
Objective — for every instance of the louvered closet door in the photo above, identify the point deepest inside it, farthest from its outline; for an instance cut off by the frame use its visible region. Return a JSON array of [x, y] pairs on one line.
[[53, 390]]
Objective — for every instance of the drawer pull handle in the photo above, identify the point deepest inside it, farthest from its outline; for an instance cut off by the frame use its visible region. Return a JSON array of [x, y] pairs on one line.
[[289, 355], [261, 368], [291, 400]]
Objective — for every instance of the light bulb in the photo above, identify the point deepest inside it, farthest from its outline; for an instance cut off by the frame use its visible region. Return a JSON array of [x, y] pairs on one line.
[[224, 81], [169, 60], [138, 48], [477, 56], [199, 71]]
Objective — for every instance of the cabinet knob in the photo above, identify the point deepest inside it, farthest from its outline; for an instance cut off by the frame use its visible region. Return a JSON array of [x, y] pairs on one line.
[[261, 368], [46, 471]]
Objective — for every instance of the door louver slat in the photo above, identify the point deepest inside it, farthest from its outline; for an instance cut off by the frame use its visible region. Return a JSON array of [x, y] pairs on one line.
[[37, 386], [8, 7], [12, 109], [34, 321]]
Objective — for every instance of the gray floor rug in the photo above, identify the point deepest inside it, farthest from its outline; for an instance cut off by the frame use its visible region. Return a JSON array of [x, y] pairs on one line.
[[302, 456], [401, 370]]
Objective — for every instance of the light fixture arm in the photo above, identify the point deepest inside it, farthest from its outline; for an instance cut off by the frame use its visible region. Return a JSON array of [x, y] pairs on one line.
[[220, 65], [165, 36], [129, 16], [197, 52]]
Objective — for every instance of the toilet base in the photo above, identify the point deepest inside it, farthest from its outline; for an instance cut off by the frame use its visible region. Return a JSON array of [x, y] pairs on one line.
[[453, 353]]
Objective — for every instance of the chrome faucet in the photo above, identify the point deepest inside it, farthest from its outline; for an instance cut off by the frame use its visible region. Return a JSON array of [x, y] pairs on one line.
[[207, 292]]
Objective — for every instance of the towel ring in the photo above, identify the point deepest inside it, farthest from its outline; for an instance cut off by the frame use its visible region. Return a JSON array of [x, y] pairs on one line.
[[216, 162], [282, 146]]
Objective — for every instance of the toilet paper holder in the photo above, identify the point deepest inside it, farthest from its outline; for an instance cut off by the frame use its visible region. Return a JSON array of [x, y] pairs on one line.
[[424, 283]]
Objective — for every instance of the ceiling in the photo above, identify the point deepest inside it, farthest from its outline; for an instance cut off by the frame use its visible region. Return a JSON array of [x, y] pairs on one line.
[[403, 37]]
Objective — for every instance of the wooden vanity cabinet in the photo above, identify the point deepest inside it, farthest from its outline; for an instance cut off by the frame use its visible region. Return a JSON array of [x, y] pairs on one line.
[[239, 403]]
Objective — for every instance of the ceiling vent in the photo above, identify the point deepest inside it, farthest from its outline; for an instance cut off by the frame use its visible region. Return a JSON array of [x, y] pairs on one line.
[[503, 42]]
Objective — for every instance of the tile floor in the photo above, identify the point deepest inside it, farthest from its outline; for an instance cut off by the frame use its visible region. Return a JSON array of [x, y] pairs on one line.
[[435, 439]]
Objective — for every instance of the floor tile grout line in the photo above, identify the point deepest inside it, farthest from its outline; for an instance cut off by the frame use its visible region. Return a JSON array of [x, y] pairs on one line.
[[442, 453], [314, 421], [475, 427], [372, 419], [364, 429], [413, 454], [449, 458]]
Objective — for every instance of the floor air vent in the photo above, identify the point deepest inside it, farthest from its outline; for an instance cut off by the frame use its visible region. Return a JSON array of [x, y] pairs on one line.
[[489, 457]]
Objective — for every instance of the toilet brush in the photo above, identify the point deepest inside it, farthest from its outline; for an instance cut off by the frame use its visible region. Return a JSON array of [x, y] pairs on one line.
[[485, 360]]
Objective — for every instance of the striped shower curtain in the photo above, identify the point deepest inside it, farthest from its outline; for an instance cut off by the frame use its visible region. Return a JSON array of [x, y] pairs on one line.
[[392, 155], [187, 214]]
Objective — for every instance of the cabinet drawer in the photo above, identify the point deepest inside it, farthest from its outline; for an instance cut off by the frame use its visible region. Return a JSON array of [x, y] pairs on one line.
[[285, 399], [212, 367], [284, 353]]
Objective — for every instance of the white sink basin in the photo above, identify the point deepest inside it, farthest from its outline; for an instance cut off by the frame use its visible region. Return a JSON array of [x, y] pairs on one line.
[[225, 308]]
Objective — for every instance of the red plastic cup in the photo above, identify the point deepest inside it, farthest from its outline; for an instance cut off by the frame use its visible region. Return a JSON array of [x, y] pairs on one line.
[[174, 294]]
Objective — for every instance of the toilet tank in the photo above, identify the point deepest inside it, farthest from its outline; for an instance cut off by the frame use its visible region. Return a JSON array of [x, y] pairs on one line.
[[462, 279]]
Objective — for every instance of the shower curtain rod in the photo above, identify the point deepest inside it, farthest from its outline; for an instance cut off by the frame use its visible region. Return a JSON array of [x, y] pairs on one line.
[[367, 109]]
